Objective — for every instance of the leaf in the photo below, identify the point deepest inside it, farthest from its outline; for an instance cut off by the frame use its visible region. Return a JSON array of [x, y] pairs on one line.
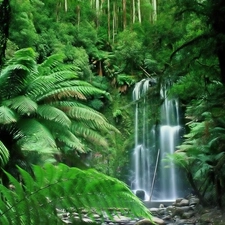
[[51, 113], [4, 155], [36, 137], [22, 104], [7, 116], [66, 188]]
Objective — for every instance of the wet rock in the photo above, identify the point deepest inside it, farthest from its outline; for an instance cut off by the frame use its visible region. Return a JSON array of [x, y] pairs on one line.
[[144, 222], [140, 194], [188, 215], [193, 201]]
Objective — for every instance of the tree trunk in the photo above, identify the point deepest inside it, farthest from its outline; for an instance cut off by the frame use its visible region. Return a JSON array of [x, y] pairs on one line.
[[97, 7], [134, 11], [109, 18], [78, 15], [218, 193], [4, 28], [124, 15], [154, 13], [114, 20], [216, 18], [66, 6], [139, 10], [192, 183]]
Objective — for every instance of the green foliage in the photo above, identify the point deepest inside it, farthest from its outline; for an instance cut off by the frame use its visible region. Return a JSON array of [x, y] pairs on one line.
[[36, 200], [46, 102]]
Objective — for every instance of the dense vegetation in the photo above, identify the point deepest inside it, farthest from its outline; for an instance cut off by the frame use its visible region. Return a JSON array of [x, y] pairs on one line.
[[67, 73]]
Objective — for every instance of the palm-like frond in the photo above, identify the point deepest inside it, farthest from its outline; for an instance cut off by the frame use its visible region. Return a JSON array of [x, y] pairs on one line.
[[94, 119], [43, 84], [7, 116], [51, 113], [22, 104], [51, 62], [12, 80], [63, 188], [36, 137], [83, 130], [4, 155], [69, 139], [61, 94], [50, 94]]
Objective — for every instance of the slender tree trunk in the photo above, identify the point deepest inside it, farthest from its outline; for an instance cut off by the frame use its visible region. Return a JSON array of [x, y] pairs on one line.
[[154, 13], [139, 10], [109, 18], [66, 6], [4, 28], [124, 15], [114, 21], [192, 183], [97, 7], [78, 16], [134, 11], [218, 25], [218, 193]]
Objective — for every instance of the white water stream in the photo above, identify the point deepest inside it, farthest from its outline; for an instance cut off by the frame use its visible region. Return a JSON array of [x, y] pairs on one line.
[[147, 142]]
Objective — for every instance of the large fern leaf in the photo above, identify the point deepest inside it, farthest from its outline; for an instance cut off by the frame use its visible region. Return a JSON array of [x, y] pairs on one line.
[[7, 116], [4, 155], [94, 119], [36, 137], [82, 130], [23, 105], [70, 189], [51, 113]]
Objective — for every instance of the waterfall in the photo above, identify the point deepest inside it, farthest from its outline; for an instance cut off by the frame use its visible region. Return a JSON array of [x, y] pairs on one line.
[[169, 138], [142, 149], [148, 140]]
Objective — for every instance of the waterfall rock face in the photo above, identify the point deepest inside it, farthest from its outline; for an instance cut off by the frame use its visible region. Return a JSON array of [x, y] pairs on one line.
[[158, 179]]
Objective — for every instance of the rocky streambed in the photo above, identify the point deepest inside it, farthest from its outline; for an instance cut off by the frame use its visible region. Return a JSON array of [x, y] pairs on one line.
[[183, 211]]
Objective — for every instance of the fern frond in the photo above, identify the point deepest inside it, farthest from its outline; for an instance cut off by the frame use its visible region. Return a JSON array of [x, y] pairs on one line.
[[36, 137], [94, 119], [66, 105], [69, 139], [65, 188], [7, 116], [43, 84], [4, 155], [62, 93], [91, 136], [51, 62], [22, 104], [12, 80], [51, 113]]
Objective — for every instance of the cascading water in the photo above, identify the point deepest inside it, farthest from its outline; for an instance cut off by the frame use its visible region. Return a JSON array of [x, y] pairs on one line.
[[169, 137], [142, 151], [148, 140]]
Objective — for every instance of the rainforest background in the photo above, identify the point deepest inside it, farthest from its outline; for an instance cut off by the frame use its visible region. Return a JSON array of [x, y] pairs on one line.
[[104, 47]]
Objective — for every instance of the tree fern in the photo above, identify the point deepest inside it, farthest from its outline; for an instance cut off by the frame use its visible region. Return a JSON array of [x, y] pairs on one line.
[[22, 104], [7, 116], [53, 188], [51, 113], [43, 100], [4, 155]]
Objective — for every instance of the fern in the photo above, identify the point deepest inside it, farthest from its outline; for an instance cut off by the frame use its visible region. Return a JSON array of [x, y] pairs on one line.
[[53, 114], [23, 105], [7, 116], [4, 155], [60, 187]]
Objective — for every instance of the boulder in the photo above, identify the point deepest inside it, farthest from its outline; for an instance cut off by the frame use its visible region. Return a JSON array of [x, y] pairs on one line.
[[140, 194], [155, 221], [193, 201]]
